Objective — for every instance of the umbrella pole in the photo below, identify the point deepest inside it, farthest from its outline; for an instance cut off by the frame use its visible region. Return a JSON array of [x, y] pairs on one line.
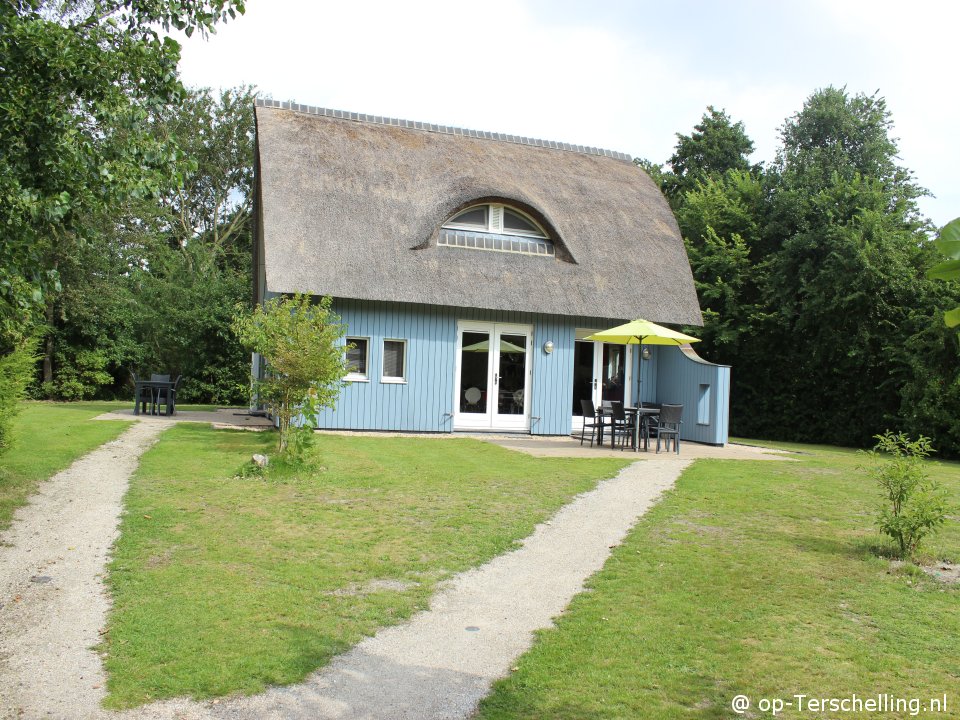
[[639, 400]]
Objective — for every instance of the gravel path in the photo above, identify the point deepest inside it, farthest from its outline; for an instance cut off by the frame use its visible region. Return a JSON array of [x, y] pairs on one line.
[[52, 599], [441, 663]]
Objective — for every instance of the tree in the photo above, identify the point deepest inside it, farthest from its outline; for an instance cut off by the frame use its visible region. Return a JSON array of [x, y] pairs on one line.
[[842, 280], [80, 80], [715, 146], [720, 223], [305, 361], [154, 285], [949, 244], [914, 506], [811, 277]]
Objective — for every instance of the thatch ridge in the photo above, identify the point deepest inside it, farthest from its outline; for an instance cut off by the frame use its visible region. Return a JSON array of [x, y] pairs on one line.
[[450, 130]]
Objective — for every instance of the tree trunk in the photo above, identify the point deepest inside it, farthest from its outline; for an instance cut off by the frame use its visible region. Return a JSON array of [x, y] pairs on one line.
[[48, 347]]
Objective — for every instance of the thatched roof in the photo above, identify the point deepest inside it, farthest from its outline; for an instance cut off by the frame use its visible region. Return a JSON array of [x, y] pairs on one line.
[[351, 206]]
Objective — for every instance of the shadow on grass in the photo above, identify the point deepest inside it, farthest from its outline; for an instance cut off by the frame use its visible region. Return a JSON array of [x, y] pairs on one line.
[[307, 649], [852, 548]]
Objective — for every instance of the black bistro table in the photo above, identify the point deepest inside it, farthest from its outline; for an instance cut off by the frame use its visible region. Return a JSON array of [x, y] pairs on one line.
[[154, 387]]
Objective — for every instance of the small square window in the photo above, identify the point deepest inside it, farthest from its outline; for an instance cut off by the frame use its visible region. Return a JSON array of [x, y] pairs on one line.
[[357, 358], [394, 361]]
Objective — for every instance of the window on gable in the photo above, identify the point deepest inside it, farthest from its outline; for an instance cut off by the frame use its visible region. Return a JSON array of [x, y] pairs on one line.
[[471, 218], [514, 222], [496, 227], [497, 219]]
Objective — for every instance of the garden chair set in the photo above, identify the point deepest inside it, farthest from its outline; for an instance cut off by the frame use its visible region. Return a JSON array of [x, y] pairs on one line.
[[627, 425], [159, 391]]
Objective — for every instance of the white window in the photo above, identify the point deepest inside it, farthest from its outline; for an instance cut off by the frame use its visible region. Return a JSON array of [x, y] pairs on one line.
[[357, 358], [394, 361], [495, 218]]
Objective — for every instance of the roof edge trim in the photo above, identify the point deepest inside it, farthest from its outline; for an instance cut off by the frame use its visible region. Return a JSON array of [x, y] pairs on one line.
[[444, 129]]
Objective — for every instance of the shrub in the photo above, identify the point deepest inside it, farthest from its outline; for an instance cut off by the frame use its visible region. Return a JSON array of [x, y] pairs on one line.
[[914, 505], [300, 343]]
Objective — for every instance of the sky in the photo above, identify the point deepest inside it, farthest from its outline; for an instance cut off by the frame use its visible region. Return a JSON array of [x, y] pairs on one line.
[[614, 74]]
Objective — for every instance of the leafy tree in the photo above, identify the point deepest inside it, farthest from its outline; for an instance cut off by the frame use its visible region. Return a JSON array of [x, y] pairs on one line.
[[305, 362], [811, 277], [844, 270], [720, 223], [153, 286], [715, 146], [202, 238], [80, 80], [949, 244]]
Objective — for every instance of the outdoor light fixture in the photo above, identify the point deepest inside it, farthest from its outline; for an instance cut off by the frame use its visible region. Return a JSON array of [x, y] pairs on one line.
[[548, 347], [645, 353]]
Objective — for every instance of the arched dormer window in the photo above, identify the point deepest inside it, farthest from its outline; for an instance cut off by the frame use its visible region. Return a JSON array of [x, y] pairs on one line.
[[497, 227]]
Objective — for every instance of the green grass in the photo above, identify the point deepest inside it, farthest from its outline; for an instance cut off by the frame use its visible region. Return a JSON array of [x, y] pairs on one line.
[[223, 584], [48, 438], [760, 578]]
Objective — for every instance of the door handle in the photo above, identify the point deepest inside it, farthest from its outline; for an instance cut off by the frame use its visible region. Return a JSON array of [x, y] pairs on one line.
[[594, 383], [495, 378]]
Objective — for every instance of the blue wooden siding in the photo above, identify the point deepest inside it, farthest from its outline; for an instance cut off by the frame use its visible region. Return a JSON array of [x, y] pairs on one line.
[[648, 374], [425, 403], [552, 393], [706, 410]]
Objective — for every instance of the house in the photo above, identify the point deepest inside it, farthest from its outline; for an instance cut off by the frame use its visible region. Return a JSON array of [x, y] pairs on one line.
[[469, 266]]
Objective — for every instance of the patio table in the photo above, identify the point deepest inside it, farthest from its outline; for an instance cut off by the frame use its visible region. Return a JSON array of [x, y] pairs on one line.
[[154, 386], [640, 417]]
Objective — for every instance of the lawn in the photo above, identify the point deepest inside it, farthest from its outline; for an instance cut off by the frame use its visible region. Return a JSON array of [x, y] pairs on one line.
[[48, 438], [225, 584], [756, 578]]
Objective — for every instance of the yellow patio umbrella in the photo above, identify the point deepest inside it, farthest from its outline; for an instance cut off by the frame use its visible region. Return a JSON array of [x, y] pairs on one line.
[[641, 332]]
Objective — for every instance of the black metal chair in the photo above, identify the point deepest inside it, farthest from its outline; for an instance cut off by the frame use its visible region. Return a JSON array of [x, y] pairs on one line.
[[620, 426], [167, 396], [142, 396], [590, 420], [669, 426], [648, 422]]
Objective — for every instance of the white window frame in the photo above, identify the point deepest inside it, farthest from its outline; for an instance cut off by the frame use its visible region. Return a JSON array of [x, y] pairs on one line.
[[495, 213], [383, 356], [354, 376]]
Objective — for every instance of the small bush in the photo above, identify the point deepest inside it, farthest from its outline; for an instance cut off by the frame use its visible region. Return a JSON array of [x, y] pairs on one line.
[[300, 343], [914, 505]]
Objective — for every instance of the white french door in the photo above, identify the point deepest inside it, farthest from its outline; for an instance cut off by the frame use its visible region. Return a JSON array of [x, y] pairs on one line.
[[493, 377], [601, 372]]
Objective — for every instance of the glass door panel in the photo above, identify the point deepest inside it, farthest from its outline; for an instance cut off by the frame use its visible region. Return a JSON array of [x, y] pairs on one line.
[[474, 372], [613, 370], [511, 374], [583, 377]]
